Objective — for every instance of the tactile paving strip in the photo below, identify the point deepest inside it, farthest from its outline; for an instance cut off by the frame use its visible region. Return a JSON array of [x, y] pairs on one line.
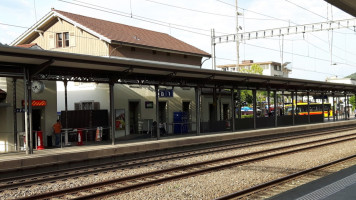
[[331, 189]]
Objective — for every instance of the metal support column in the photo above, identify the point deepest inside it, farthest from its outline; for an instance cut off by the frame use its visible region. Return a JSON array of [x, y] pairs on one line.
[[30, 115], [254, 109], [215, 106], [283, 108], [112, 112], [220, 109], [16, 141], [65, 103], [157, 112], [322, 106], [345, 108], [239, 104], [197, 109], [334, 107], [275, 108], [25, 81], [293, 117], [308, 107], [213, 55], [348, 109], [233, 110], [268, 103]]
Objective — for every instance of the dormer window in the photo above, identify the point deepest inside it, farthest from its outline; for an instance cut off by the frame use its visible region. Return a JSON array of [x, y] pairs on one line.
[[62, 40]]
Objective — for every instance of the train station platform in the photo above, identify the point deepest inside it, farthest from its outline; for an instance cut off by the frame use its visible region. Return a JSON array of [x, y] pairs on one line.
[[76, 154], [340, 185]]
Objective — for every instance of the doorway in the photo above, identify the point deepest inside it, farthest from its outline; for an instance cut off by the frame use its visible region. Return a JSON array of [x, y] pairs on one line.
[[211, 113], [36, 119], [162, 111], [226, 112], [133, 113]]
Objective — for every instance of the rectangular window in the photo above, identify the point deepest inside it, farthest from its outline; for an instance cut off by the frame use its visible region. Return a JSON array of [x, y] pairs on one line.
[[62, 39], [66, 39], [59, 40]]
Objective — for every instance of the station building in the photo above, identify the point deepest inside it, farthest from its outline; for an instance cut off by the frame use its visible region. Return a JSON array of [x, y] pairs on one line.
[[142, 75], [67, 32]]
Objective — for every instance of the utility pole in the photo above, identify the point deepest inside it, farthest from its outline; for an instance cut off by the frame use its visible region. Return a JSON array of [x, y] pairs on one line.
[[237, 37], [213, 56]]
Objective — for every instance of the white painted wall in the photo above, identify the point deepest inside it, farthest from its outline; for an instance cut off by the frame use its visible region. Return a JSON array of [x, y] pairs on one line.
[[48, 117], [123, 94]]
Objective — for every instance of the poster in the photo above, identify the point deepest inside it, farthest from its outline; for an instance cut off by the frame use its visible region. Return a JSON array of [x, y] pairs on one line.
[[120, 119]]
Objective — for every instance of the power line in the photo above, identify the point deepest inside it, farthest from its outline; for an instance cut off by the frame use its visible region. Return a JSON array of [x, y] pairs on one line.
[[301, 69], [306, 56], [285, 21], [307, 10], [204, 12], [255, 12], [128, 15], [324, 50], [199, 11]]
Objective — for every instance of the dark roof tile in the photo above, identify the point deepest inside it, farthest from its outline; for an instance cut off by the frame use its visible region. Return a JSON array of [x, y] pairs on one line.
[[133, 35]]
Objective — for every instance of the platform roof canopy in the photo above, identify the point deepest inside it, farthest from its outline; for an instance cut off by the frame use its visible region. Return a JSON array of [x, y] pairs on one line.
[[348, 6], [50, 65]]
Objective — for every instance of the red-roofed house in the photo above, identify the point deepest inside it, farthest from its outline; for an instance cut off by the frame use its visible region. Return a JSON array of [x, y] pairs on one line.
[[68, 32], [73, 33]]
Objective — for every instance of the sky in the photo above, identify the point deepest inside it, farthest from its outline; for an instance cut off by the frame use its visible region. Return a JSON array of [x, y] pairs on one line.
[[312, 56]]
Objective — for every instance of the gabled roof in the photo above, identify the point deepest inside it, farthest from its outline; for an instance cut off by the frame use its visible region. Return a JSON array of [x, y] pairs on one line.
[[116, 33]]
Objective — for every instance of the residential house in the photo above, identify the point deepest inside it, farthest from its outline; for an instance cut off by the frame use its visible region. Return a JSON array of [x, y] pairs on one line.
[[269, 68], [72, 33]]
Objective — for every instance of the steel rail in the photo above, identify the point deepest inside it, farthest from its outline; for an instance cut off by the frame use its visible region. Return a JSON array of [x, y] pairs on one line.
[[280, 180], [15, 182], [185, 168]]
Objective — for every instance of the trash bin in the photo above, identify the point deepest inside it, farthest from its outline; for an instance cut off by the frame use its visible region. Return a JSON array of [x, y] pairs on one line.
[[49, 140]]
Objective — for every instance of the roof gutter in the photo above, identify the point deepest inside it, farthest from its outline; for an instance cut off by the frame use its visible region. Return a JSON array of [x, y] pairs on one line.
[[159, 49], [133, 61]]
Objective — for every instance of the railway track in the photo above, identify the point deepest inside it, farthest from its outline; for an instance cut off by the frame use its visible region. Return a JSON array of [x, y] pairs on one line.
[[41, 178], [101, 189], [274, 187]]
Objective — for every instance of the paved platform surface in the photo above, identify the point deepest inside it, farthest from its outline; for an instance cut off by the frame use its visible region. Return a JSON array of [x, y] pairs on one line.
[[47, 157], [338, 186]]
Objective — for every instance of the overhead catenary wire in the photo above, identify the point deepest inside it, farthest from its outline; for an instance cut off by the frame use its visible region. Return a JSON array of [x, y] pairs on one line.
[[289, 21], [157, 22], [296, 54]]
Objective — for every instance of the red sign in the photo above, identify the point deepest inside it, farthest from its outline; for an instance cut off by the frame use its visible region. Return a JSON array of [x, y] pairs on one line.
[[36, 103]]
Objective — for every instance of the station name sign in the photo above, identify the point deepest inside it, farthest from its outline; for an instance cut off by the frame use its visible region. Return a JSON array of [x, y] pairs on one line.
[[165, 93]]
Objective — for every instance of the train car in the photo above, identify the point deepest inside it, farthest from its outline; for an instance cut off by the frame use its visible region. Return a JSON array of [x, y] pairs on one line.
[[315, 109]]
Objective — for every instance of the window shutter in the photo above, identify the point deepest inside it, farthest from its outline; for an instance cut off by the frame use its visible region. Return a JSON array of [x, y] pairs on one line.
[[71, 39], [51, 41], [96, 105], [76, 106]]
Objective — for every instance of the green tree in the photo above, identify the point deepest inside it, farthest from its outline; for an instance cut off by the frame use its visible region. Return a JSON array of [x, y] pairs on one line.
[[254, 69], [353, 101]]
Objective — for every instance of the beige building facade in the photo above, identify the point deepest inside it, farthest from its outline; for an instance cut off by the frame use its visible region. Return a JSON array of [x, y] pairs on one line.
[[71, 33]]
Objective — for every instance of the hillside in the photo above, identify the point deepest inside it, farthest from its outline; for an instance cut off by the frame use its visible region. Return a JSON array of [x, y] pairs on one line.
[[352, 76]]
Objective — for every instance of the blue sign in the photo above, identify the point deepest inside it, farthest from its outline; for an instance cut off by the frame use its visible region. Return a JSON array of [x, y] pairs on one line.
[[20, 110], [165, 93]]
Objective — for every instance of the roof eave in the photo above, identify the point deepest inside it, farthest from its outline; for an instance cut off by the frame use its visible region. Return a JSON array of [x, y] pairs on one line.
[[32, 29], [48, 17], [159, 49]]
